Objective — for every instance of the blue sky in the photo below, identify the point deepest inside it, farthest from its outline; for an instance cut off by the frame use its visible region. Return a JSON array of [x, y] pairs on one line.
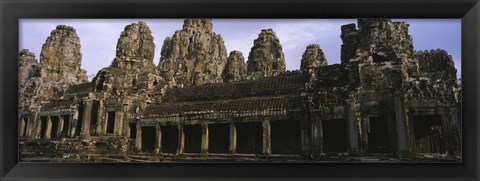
[[99, 37]]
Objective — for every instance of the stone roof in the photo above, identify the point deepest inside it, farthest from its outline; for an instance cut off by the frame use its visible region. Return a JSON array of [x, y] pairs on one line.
[[78, 88], [57, 105], [277, 85], [238, 106]]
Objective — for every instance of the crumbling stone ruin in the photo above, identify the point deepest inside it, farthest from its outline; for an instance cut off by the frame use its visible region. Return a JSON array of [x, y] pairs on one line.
[[384, 100]]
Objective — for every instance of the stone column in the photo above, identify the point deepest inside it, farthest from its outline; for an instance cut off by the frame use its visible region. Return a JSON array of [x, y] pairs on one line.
[[410, 132], [71, 124], [26, 129], [28, 126], [100, 118], [138, 140], [34, 131], [118, 129], [317, 136], [21, 126], [351, 116], [38, 130], [87, 115], [306, 133], [60, 125], [73, 121], [400, 122], [204, 138], [158, 139], [105, 123], [233, 138], [267, 145], [181, 140], [48, 130]]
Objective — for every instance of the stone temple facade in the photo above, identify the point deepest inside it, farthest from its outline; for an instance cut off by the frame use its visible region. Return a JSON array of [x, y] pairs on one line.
[[384, 99]]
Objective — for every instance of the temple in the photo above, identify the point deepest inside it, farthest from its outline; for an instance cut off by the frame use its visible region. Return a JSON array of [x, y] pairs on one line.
[[384, 99]]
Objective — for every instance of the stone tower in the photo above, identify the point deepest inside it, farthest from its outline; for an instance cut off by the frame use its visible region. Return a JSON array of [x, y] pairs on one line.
[[381, 39], [236, 68], [312, 58], [61, 57], [266, 57], [133, 65], [28, 67], [194, 55]]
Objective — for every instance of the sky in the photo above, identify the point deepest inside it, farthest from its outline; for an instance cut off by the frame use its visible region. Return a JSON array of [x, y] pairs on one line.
[[98, 37]]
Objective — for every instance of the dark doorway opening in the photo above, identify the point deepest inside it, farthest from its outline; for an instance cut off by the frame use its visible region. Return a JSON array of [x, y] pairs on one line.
[[133, 130], [148, 138], [193, 138], [43, 126], [169, 139], [78, 127], [218, 138], [249, 137], [53, 131], [428, 134], [286, 137], [110, 122], [94, 116], [379, 58], [66, 123], [378, 137], [335, 135]]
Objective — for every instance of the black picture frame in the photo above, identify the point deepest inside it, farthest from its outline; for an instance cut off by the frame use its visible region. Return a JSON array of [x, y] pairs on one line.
[[12, 11]]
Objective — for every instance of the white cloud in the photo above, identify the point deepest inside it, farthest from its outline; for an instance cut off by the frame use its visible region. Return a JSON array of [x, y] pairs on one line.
[[294, 35]]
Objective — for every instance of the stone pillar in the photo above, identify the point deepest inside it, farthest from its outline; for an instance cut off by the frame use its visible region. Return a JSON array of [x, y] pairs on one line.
[[26, 132], [158, 139], [33, 126], [351, 116], [21, 126], [105, 123], [267, 145], [38, 130], [306, 133], [118, 128], [74, 120], [100, 118], [410, 132], [71, 124], [317, 136], [28, 125], [233, 138], [400, 122], [204, 138], [87, 115], [60, 125], [138, 140], [181, 140], [48, 130]]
